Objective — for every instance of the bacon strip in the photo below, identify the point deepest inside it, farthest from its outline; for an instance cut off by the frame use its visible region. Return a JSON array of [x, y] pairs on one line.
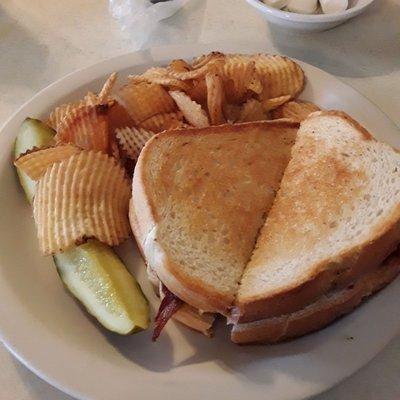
[[170, 304]]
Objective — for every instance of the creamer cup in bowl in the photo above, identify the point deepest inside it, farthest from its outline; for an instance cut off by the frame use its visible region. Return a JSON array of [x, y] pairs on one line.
[[309, 22]]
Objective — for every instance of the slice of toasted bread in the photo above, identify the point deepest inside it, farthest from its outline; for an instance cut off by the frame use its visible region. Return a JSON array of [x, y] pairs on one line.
[[336, 216], [200, 197], [186, 315], [320, 313]]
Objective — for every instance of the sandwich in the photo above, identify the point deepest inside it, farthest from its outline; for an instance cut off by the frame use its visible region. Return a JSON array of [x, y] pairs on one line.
[[334, 220], [279, 229], [200, 197], [322, 312]]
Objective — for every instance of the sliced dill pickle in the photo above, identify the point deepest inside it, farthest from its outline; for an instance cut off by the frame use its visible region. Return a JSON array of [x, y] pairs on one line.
[[96, 276]]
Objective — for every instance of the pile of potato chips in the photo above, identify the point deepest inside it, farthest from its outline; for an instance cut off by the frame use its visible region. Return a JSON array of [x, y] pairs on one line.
[[83, 188]]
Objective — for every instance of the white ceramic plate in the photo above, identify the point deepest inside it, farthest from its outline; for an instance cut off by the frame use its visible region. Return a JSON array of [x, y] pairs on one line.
[[48, 332]]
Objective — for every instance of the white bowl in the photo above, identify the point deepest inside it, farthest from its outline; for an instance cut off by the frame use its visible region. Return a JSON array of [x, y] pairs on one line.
[[309, 23]]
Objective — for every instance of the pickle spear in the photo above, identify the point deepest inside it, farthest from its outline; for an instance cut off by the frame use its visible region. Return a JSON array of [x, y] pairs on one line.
[[92, 272], [96, 276], [32, 133]]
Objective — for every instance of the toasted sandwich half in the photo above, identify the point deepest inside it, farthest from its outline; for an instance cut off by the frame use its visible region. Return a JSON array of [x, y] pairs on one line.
[[335, 219], [321, 312], [217, 238], [200, 197]]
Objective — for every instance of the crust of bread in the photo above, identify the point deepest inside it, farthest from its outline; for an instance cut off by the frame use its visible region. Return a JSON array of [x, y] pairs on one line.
[[321, 313], [335, 113], [186, 315], [332, 273], [144, 226], [343, 270]]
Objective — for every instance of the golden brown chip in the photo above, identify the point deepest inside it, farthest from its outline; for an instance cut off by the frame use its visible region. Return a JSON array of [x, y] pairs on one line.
[[107, 88], [160, 76], [253, 110], [256, 85], [148, 74], [132, 140], [271, 104], [295, 110], [214, 65], [162, 122], [198, 92], [115, 151], [85, 127], [179, 66], [143, 100], [35, 162], [200, 61], [279, 76], [191, 110], [239, 75], [90, 99], [58, 114], [215, 98], [84, 196], [118, 118]]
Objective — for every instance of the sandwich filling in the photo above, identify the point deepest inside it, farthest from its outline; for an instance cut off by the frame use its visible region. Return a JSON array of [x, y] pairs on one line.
[[170, 304]]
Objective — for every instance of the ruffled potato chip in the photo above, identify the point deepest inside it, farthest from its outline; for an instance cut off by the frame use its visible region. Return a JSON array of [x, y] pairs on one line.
[[200, 61], [143, 100], [160, 76], [85, 127], [132, 140], [213, 65], [255, 85], [295, 110], [90, 99], [179, 66], [162, 122], [271, 104], [118, 118], [114, 151], [198, 92], [58, 114], [191, 110], [156, 72], [215, 98], [279, 75], [107, 88], [239, 75], [35, 162], [84, 196], [252, 110]]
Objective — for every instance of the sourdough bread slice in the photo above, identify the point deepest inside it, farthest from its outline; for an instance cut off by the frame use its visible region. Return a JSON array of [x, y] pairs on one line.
[[200, 197], [336, 217], [320, 313]]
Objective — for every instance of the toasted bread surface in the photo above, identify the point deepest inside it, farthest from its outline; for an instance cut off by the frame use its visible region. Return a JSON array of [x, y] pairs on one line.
[[200, 197], [320, 313], [186, 315], [336, 217]]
